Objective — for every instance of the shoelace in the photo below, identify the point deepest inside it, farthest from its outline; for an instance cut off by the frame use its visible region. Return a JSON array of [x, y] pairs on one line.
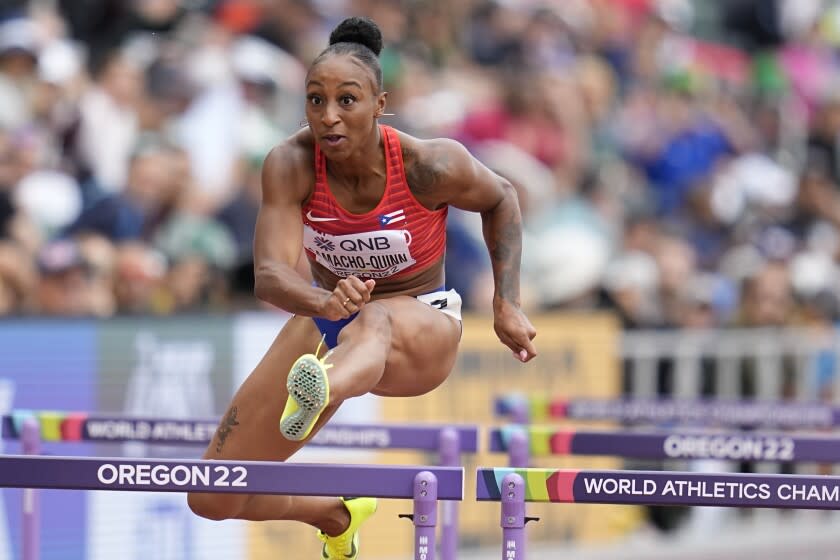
[[318, 351]]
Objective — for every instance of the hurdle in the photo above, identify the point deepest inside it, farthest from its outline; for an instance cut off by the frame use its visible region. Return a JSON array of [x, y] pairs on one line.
[[424, 485], [523, 409], [514, 487], [523, 442], [448, 441]]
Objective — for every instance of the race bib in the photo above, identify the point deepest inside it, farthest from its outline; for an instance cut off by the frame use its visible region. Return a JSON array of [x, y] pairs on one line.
[[375, 254]]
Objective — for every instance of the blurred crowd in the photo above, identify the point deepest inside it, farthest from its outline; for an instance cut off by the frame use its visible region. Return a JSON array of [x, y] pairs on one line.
[[677, 161]]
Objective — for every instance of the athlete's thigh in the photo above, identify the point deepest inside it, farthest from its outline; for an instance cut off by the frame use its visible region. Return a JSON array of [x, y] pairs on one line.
[[424, 345], [249, 428]]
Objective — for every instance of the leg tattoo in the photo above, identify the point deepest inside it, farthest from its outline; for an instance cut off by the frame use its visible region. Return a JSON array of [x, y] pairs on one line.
[[226, 428]]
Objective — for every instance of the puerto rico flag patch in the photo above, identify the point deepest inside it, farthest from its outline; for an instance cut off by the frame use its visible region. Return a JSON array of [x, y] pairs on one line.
[[392, 218]]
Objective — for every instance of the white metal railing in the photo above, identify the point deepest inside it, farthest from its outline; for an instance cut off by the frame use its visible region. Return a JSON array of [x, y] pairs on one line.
[[784, 361], [769, 364]]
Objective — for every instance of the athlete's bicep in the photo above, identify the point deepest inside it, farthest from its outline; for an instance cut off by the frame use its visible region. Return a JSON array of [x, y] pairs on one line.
[[278, 235], [472, 185]]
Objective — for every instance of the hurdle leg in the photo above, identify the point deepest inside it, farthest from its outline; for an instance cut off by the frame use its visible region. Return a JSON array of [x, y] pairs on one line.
[[519, 457], [513, 517], [31, 526], [450, 456], [425, 515], [519, 453], [521, 412]]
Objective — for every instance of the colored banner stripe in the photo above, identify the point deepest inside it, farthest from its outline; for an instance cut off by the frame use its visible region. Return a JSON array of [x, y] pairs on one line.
[[542, 440], [53, 425], [490, 482], [732, 413], [668, 488]]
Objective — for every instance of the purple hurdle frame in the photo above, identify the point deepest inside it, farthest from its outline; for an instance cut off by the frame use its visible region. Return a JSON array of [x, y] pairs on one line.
[[450, 448], [514, 487], [522, 442], [31, 524], [425, 515], [512, 496], [449, 441], [425, 485]]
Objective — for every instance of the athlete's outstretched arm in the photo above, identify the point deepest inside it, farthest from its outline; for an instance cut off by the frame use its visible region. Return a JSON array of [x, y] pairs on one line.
[[278, 236], [278, 241], [476, 188]]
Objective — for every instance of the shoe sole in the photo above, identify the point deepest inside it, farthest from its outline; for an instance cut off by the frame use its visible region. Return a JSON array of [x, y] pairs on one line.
[[308, 387]]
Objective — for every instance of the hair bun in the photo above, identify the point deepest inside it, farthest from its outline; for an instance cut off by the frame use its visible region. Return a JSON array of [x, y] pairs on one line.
[[360, 30]]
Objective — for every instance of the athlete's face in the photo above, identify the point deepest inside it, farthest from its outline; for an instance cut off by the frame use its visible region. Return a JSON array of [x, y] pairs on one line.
[[342, 104]]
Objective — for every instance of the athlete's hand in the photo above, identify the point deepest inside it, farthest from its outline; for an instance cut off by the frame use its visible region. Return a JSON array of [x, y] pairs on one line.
[[514, 330], [348, 297]]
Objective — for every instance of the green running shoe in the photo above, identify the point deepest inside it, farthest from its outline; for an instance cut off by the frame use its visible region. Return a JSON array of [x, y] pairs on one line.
[[309, 393]]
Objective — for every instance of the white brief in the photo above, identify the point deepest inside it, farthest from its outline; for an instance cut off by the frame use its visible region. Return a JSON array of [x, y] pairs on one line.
[[448, 302]]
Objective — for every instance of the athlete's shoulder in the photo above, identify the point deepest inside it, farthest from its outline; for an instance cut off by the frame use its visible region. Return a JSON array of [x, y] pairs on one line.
[[294, 156], [420, 149], [290, 164], [297, 149], [431, 163]]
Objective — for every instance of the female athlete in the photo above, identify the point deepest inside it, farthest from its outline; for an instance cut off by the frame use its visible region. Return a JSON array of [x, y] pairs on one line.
[[368, 206]]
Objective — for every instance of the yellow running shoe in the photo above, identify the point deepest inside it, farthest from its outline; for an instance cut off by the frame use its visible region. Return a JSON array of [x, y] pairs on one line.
[[346, 545], [309, 393]]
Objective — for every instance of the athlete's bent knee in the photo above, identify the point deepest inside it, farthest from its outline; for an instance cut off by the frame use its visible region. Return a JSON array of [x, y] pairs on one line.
[[372, 317], [216, 507]]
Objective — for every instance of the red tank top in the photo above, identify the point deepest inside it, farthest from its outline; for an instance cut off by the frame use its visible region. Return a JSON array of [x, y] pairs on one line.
[[400, 236]]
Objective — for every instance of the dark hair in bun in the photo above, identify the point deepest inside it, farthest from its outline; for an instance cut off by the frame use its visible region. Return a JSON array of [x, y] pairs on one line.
[[361, 38], [361, 30]]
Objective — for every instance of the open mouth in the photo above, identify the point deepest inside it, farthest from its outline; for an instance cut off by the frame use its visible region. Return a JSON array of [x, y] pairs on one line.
[[333, 139]]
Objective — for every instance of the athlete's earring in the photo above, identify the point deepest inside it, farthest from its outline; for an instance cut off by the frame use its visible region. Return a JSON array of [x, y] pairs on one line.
[[304, 123]]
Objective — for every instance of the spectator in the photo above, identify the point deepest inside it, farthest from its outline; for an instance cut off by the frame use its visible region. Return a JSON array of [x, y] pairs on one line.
[[18, 280], [135, 211], [63, 289], [99, 254], [109, 128], [18, 64], [651, 163], [139, 276]]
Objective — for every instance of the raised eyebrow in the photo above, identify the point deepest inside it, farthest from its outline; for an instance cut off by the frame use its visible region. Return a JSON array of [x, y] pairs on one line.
[[342, 84]]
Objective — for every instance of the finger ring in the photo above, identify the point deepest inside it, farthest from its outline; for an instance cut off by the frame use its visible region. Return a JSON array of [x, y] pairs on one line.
[[345, 301]]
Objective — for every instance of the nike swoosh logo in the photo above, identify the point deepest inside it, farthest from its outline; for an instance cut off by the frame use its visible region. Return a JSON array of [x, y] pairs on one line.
[[312, 218]]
